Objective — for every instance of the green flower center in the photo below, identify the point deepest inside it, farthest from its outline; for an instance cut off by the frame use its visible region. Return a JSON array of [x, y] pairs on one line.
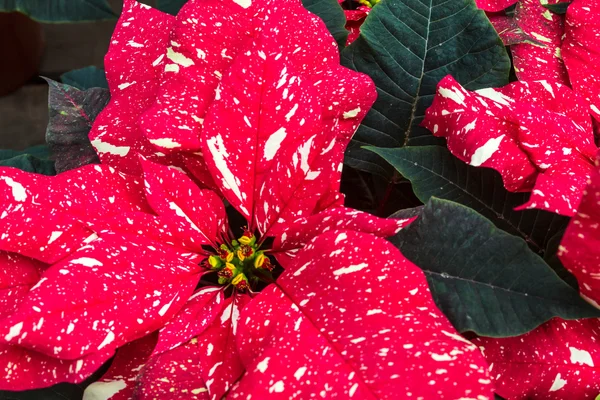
[[241, 263], [368, 3]]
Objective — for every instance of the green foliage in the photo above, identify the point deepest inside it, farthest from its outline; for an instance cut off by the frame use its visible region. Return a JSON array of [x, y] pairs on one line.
[[332, 14], [85, 78], [54, 11], [170, 6], [35, 159], [558, 8], [407, 47], [483, 279], [434, 171]]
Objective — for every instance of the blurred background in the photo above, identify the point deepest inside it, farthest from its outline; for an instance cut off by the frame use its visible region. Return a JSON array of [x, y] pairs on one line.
[[30, 49]]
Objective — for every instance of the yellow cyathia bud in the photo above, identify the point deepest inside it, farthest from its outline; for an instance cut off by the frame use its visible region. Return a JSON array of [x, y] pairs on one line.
[[228, 272], [240, 282], [241, 255], [229, 257], [259, 260], [244, 240], [214, 261]]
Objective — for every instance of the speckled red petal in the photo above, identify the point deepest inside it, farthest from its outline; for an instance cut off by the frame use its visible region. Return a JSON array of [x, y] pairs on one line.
[[120, 381], [134, 65], [197, 315], [367, 326], [557, 361], [523, 130], [541, 59], [494, 5], [24, 369], [302, 231], [17, 275], [49, 224], [579, 249], [69, 315], [581, 51], [174, 196], [211, 362]]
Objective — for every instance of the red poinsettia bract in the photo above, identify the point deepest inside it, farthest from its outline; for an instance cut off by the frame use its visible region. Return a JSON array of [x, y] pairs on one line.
[[556, 361], [229, 99], [355, 16], [534, 35], [537, 134]]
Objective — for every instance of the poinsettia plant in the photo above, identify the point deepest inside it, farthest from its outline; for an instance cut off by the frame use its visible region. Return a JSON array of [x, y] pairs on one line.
[[136, 254], [215, 219]]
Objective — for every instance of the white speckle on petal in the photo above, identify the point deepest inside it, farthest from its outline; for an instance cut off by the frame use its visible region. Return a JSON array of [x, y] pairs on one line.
[[495, 96], [103, 390], [123, 86], [54, 235], [178, 58], [273, 143], [486, 151], [290, 114], [558, 383], [350, 269], [165, 143], [351, 113], [107, 340], [581, 357], [14, 331], [263, 365], [243, 3], [452, 94], [340, 237], [277, 387], [87, 262], [219, 153], [18, 191], [300, 372], [103, 147]]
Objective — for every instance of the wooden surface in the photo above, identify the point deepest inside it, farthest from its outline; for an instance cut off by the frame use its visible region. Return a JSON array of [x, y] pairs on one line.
[[24, 113]]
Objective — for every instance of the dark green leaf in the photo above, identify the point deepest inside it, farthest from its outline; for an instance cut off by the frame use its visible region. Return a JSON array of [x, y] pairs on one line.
[[34, 159], [60, 10], [332, 14], [170, 6], [407, 47], [85, 78], [551, 258], [40, 151], [29, 163], [558, 8], [434, 171], [375, 195], [408, 213], [72, 113], [483, 279]]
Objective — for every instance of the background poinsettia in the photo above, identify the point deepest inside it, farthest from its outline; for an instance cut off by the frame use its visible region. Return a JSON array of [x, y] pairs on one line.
[[261, 116]]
